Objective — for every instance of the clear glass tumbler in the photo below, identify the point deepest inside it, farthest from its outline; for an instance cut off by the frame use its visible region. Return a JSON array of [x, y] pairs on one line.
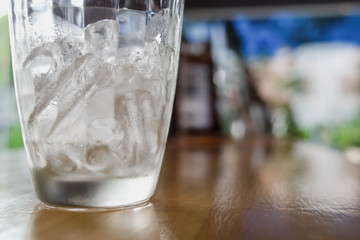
[[95, 83]]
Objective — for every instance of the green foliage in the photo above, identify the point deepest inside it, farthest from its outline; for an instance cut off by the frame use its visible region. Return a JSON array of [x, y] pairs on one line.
[[15, 137], [292, 128], [296, 86], [345, 135]]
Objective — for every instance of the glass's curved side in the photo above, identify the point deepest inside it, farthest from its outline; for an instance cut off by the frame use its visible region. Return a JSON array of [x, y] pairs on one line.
[[95, 88]]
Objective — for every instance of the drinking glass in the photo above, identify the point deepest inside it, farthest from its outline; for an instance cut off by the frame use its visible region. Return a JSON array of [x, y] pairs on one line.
[[95, 83]]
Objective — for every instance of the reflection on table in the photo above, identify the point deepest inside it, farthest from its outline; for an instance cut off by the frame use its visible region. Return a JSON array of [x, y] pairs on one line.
[[138, 223]]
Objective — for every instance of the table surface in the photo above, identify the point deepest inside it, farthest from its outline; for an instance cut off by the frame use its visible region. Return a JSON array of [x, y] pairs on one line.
[[209, 188]]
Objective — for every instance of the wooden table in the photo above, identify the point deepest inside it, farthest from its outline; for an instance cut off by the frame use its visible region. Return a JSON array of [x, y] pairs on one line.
[[209, 188]]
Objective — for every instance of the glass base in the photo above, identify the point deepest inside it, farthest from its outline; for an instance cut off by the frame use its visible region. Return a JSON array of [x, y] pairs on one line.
[[100, 193], [136, 205]]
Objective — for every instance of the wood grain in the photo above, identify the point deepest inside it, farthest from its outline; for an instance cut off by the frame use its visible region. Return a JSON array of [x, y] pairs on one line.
[[209, 188]]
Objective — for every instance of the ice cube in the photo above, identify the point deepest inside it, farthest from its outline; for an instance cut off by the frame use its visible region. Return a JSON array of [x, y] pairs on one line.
[[74, 85], [27, 105], [100, 131], [129, 127], [101, 159], [45, 119], [64, 158], [82, 83], [157, 27], [126, 152], [148, 119], [128, 80], [36, 152], [40, 66], [118, 134], [132, 27], [73, 128], [100, 105], [102, 36], [135, 114], [43, 64], [71, 49]]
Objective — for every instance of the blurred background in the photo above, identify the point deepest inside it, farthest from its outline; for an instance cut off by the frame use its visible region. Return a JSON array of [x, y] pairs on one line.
[[277, 68]]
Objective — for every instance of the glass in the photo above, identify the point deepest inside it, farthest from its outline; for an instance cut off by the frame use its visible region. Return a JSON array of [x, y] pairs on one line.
[[95, 83]]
